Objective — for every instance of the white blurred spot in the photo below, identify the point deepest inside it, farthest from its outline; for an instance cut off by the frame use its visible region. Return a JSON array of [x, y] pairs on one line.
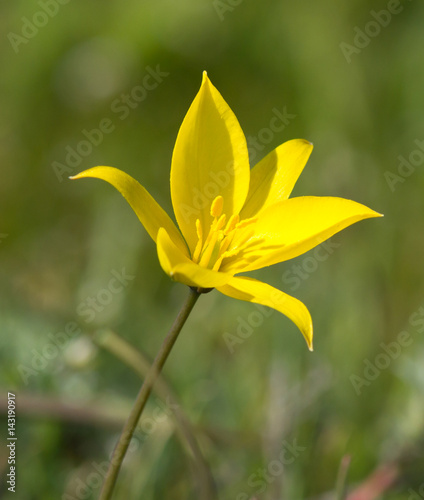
[[80, 352]]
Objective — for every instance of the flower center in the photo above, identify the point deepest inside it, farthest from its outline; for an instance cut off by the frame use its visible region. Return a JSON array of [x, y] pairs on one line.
[[213, 248]]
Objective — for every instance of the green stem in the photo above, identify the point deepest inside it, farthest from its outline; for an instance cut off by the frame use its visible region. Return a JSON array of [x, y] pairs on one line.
[[143, 395], [132, 357]]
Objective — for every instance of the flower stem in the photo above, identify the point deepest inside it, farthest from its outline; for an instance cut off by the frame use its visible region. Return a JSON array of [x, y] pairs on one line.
[[133, 358], [143, 395]]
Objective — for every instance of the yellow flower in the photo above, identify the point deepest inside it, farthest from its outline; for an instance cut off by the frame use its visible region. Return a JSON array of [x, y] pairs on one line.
[[232, 219]]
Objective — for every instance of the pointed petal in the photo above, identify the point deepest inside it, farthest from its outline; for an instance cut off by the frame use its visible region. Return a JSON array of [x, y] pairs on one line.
[[149, 212], [274, 177], [180, 268], [292, 227], [251, 290], [210, 158]]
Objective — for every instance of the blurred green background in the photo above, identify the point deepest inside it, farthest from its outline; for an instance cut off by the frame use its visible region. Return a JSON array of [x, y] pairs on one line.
[[272, 419]]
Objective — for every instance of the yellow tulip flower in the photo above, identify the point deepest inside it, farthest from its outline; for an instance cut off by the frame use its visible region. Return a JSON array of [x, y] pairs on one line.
[[232, 219]]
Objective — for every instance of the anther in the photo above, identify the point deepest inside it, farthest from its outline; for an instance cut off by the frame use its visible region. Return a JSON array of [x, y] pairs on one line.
[[220, 223], [246, 222], [234, 220], [217, 206]]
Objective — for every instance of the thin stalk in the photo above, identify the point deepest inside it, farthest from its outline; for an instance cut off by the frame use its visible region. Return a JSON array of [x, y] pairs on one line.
[[143, 395], [136, 360]]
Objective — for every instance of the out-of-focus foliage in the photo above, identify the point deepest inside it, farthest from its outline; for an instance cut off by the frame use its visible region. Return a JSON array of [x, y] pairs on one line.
[[310, 66]]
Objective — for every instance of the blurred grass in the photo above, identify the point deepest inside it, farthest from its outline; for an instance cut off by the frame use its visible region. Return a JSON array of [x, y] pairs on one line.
[[64, 239]]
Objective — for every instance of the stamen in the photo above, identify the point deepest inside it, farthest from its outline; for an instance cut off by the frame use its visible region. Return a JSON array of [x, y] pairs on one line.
[[220, 242], [216, 250], [221, 222], [217, 206], [218, 263], [239, 246], [206, 256], [246, 222], [234, 220], [244, 239], [230, 253], [225, 243], [215, 226], [199, 245]]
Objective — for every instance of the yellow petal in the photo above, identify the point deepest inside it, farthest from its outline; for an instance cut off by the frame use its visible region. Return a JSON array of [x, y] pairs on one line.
[[292, 227], [180, 268], [149, 212], [274, 177], [210, 159], [251, 290]]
